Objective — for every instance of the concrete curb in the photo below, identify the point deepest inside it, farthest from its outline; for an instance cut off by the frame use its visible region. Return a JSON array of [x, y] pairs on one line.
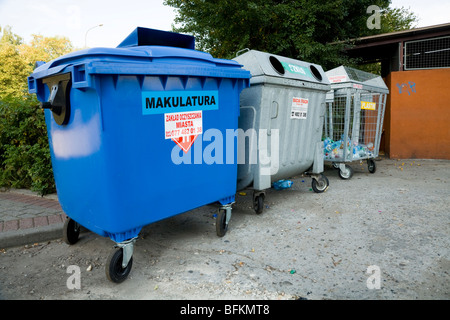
[[28, 218], [22, 237]]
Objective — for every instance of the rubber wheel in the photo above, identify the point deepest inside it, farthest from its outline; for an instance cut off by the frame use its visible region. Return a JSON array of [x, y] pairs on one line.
[[321, 184], [114, 270], [258, 204], [347, 173], [71, 231], [371, 166], [221, 223]]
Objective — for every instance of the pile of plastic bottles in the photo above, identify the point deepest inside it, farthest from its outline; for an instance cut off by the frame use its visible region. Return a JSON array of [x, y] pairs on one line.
[[335, 149]]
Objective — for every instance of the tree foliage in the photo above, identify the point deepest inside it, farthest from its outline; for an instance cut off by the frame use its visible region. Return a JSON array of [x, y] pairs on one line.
[[397, 19], [24, 152], [300, 29]]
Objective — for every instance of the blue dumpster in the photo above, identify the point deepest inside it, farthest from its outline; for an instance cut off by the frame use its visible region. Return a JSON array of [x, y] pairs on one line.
[[124, 125]]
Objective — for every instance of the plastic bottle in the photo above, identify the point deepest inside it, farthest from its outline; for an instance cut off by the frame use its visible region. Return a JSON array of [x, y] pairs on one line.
[[282, 184], [362, 152], [327, 144], [355, 152]]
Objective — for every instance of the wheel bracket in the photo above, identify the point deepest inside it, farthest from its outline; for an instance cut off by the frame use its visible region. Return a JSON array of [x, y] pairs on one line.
[[227, 209], [320, 179], [128, 249]]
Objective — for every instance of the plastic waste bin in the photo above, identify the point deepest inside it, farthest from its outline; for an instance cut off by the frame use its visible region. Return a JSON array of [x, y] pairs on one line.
[[354, 118], [122, 126], [280, 122]]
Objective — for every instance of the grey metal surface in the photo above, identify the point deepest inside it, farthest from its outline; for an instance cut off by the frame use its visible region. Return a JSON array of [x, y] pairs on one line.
[[345, 77], [287, 141]]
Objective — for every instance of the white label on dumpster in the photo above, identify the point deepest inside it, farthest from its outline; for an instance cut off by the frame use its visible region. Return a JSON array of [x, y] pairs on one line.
[[336, 79], [299, 108], [183, 124]]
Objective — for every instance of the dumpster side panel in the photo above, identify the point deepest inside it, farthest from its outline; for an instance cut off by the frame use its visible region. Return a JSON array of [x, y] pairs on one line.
[[78, 160], [249, 119]]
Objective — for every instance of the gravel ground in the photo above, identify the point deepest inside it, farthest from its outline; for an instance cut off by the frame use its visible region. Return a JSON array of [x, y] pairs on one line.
[[394, 224]]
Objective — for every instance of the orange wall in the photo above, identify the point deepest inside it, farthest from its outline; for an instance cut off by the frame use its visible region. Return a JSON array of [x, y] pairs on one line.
[[417, 119]]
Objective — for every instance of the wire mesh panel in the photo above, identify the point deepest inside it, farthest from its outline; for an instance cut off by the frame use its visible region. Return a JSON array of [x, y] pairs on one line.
[[337, 119], [353, 124], [427, 54]]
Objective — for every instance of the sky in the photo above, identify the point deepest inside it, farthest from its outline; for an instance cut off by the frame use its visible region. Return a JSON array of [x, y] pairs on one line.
[[79, 20]]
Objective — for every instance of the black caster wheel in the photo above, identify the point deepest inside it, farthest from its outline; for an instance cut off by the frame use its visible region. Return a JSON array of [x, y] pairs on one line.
[[321, 184], [71, 231], [115, 272], [258, 204], [347, 173], [371, 166], [221, 223]]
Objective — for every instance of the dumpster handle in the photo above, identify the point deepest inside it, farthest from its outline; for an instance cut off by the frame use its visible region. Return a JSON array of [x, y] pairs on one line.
[[59, 99], [49, 103], [245, 49]]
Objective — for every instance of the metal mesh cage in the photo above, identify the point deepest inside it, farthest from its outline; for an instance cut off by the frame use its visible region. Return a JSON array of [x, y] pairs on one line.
[[353, 124]]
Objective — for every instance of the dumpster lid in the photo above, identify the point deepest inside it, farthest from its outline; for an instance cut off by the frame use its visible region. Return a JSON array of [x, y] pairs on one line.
[[267, 64], [151, 37], [344, 76]]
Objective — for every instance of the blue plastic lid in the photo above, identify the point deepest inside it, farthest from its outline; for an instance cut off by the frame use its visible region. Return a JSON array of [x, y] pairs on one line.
[[137, 60]]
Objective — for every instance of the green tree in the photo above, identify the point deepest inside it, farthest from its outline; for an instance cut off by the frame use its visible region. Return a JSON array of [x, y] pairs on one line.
[[24, 151], [397, 19], [392, 19], [9, 36], [46, 49], [12, 66], [300, 29]]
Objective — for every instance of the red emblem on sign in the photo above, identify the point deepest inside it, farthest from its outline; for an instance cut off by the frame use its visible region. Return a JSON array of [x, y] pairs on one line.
[[185, 142]]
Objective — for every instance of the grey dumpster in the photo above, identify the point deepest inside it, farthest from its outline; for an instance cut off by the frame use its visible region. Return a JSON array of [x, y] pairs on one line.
[[280, 123], [354, 118]]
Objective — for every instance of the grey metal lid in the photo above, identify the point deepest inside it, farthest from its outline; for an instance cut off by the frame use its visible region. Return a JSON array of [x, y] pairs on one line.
[[343, 77], [265, 64]]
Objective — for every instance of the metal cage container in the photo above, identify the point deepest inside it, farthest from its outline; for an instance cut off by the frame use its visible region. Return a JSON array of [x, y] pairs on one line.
[[353, 118]]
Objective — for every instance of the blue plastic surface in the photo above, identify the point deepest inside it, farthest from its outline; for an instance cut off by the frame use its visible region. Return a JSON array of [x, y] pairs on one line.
[[113, 166]]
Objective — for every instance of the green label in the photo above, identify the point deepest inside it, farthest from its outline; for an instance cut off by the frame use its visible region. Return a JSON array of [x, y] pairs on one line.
[[293, 68]]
